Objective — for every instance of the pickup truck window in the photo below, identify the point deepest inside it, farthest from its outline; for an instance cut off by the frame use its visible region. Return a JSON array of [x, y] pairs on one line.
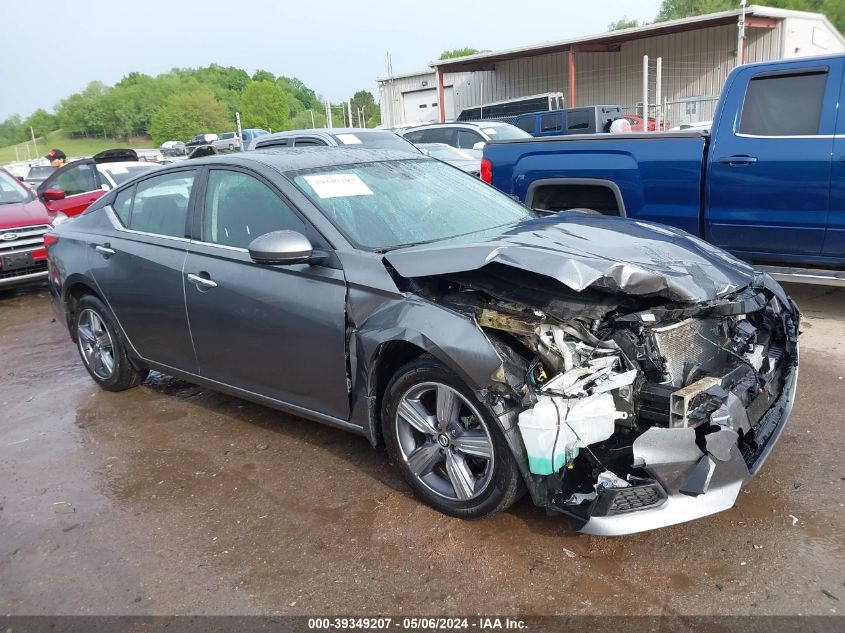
[[783, 105], [550, 122], [526, 124], [578, 120]]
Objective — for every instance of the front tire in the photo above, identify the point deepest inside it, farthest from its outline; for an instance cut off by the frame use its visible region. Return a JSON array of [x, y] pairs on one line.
[[102, 348], [447, 444]]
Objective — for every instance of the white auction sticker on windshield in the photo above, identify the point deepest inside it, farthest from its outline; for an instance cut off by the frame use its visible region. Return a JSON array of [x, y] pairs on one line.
[[119, 170], [348, 139], [489, 130], [338, 186]]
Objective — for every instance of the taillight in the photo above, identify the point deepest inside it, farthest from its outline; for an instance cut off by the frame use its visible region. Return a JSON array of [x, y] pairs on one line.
[[487, 171], [50, 239]]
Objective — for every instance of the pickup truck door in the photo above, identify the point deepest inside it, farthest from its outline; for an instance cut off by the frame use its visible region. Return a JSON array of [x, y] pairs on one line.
[[834, 240], [769, 166]]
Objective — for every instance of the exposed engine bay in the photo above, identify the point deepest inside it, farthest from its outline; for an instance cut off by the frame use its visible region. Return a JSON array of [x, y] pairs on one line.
[[625, 402]]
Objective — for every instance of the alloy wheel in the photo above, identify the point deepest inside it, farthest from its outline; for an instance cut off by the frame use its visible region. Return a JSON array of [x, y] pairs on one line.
[[444, 441], [96, 344]]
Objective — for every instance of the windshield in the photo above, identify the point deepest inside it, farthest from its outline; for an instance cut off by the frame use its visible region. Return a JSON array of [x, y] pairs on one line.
[[11, 190], [385, 205], [121, 174], [375, 140], [503, 132]]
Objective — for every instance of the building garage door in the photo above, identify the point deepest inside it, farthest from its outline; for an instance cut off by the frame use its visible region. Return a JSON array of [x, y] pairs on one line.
[[422, 105]]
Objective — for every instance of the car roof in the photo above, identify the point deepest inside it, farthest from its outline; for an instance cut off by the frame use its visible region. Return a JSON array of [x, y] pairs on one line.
[[330, 131], [474, 124], [297, 158], [123, 165]]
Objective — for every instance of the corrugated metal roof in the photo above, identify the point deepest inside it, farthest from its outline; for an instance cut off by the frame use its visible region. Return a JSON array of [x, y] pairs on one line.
[[486, 61]]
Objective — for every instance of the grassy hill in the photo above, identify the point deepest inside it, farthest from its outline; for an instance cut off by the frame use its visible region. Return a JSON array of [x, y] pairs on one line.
[[71, 146]]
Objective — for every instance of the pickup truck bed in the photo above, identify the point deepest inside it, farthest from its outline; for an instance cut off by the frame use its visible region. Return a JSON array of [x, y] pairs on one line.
[[767, 184]]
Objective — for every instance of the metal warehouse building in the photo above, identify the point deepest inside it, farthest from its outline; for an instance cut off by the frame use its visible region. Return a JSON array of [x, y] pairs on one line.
[[696, 53]]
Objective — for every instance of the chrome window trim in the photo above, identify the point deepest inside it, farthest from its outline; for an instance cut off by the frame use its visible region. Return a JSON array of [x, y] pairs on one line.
[[118, 226], [825, 136], [224, 246]]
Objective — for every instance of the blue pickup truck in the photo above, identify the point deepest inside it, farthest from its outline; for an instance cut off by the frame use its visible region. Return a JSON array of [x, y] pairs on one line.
[[767, 183]]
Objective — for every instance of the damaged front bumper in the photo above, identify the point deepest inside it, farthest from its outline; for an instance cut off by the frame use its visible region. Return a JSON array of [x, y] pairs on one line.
[[688, 483]]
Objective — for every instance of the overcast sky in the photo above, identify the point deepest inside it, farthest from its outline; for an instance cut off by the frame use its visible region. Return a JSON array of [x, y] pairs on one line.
[[53, 48]]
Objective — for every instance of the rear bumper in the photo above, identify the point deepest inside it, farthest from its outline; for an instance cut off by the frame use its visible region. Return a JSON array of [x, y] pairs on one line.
[[726, 478]]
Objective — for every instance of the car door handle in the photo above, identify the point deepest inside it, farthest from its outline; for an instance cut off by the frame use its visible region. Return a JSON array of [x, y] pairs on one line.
[[201, 281], [737, 160], [104, 250]]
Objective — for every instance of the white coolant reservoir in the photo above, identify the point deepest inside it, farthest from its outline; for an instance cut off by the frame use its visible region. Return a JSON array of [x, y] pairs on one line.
[[556, 428]]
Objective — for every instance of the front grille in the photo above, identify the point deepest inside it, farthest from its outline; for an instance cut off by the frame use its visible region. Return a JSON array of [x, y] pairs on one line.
[[15, 244], [22, 239], [37, 267], [684, 348]]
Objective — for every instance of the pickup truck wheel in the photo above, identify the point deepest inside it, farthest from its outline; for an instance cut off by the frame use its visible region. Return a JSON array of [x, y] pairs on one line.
[[447, 444], [102, 348], [231, 147]]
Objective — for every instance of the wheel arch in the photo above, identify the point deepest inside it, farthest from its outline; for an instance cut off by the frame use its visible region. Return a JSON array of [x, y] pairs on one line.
[[575, 184], [76, 287]]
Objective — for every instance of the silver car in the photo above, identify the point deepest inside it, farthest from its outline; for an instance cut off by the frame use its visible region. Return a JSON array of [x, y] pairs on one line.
[[625, 374]]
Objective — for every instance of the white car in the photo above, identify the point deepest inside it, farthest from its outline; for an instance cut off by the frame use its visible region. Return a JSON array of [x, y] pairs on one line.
[[228, 142], [115, 174]]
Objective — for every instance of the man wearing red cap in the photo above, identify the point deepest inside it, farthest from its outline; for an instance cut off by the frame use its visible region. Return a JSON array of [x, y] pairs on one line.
[[56, 157]]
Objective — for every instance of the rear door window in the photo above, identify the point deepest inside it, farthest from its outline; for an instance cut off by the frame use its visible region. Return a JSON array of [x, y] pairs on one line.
[[783, 105], [466, 139], [309, 142], [160, 204]]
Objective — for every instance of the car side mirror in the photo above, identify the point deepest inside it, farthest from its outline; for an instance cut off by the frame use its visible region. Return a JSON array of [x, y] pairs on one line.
[[479, 146], [285, 248], [54, 194]]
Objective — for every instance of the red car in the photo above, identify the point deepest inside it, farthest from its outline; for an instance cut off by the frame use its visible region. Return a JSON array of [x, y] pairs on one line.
[[636, 122], [74, 187], [23, 222]]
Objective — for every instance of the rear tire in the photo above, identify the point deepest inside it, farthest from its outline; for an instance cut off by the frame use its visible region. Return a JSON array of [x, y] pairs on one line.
[[102, 348], [446, 443]]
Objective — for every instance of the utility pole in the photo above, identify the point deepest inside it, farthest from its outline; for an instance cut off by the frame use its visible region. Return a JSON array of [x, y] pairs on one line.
[[34, 144], [240, 132], [645, 93], [311, 112], [740, 41], [658, 94], [349, 109]]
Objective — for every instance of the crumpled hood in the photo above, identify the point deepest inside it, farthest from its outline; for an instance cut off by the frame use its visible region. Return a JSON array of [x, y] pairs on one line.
[[582, 251]]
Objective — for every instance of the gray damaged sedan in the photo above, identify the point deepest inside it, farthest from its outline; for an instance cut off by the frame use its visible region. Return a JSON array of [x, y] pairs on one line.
[[627, 375]]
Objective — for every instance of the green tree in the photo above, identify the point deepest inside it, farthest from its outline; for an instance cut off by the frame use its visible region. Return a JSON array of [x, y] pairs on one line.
[[623, 23], [365, 99], [674, 9], [12, 131], [41, 122], [188, 114], [263, 75], [460, 52], [82, 113], [264, 105]]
